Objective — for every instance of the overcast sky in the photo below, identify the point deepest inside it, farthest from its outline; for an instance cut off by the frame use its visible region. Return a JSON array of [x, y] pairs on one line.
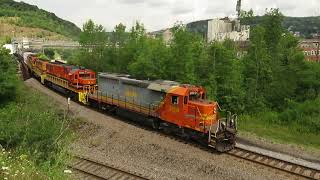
[[159, 14]]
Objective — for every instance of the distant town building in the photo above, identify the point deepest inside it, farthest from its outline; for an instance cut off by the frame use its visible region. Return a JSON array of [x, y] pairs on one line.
[[166, 34], [218, 29], [311, 49]]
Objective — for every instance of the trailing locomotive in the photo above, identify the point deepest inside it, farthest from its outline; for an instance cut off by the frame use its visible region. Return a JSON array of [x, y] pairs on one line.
[[181, 108], [77, 81]]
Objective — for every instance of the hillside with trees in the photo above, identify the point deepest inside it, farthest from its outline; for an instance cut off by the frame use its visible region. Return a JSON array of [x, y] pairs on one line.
[[272, 87], [20, 14]]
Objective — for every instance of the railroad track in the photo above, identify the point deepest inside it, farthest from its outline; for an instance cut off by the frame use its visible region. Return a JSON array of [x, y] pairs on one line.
[[99, 170], [276, 163]]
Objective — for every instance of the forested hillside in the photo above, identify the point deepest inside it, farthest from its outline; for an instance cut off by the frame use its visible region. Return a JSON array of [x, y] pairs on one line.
[[272, 87], [25, 15], [305, 25]]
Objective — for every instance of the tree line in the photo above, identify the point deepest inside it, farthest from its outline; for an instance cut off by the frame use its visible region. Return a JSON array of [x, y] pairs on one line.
[[270, 75]]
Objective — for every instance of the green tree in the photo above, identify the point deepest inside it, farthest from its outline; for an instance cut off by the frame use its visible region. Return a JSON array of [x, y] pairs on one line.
[[118, 40], [137, 41], [93, 40], [222, 75], [258, 71], [8, 76], [151, 61], [186, 50], [272, 23]]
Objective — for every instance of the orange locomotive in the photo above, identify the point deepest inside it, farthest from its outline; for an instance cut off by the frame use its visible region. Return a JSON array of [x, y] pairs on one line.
[[178, 108], [76, 76], [77, 81]]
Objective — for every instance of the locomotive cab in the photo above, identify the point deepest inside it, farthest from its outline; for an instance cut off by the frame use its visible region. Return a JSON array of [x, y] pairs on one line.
[[187, 107], [83, 77]]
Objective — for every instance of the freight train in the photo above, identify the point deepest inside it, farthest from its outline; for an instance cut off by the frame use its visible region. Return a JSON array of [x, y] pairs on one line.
[[166, 105]]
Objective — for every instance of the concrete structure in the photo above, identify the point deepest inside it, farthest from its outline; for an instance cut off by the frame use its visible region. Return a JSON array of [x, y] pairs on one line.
[[311, 49], [218, 29], [166, 34], [225, 28]]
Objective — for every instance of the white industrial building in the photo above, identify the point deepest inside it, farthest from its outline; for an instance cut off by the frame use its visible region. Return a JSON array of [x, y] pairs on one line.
[[222, 29]]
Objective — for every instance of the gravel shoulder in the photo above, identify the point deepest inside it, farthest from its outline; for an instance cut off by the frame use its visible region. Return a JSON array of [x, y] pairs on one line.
[[116, 142]]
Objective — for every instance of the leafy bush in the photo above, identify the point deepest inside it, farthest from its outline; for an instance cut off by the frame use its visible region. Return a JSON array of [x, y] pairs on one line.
[[8, 77], [305, 115], [31, 126]]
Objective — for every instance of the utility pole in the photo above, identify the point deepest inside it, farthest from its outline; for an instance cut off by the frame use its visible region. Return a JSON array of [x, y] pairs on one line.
[[318, 36], [238, 8]]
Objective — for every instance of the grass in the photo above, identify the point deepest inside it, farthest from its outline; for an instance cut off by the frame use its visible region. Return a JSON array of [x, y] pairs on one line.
[[32, 128], [17, 166], [264, 125]]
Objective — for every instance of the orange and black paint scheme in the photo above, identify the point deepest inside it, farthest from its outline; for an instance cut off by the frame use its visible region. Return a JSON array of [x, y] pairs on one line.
[[77, 81], [76, 76], [187, 107], [177, 108]]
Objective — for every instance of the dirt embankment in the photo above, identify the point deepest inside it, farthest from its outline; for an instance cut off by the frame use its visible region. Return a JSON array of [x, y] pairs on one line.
[[121, 144]]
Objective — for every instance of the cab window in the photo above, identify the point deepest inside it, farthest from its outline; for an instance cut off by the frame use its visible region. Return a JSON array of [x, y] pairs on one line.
[[76, 76], [185, 100], [174, 99]]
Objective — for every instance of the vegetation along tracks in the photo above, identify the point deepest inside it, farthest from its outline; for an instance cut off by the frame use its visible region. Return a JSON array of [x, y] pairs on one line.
[[99, 170], [273, 162]]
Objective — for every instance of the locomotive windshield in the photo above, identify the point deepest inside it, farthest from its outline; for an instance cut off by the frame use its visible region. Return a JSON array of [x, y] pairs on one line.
[[193, 96], [86, 76]]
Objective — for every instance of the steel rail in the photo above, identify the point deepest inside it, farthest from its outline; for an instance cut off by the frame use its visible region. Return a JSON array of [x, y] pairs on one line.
[[101, 170], [273, 162]]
